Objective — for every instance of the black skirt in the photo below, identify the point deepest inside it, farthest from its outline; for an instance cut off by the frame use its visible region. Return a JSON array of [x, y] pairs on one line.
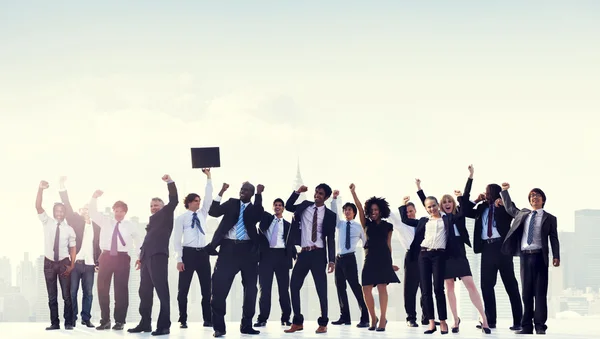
[[458, 266]]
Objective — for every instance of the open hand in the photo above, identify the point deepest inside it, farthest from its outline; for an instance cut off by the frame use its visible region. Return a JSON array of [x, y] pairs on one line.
[[138, 264], [180, 267], [67, 272]]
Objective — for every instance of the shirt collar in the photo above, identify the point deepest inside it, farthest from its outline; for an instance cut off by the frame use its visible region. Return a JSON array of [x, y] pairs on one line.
[[443, 214]]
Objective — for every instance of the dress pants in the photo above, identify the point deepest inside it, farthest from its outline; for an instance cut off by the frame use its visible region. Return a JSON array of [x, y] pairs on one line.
[[234, 256], [411, 285], [118, 266], [432, 266], [314, 262], [534, 283], [492, 261], [85, 274], [346, 269], [154, 275], [274, 261], [53, 271], [195, 260]]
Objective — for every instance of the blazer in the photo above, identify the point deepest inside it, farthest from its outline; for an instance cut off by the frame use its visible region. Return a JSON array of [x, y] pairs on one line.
[[230, 211], [160, 226], [512, 242], [77, 222], [328, 230], [264, 241]]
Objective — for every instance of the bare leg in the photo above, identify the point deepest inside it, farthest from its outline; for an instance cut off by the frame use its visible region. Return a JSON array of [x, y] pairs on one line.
[[452, 300], [368, 292], [383, 302], [475, 298]]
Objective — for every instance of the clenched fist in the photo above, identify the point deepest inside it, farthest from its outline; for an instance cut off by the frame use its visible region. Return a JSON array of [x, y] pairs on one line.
[[302, 189], [97, 194], [505, 186], [260, 188], [335, 194], [44, 184], [406, 199], [166, 178]]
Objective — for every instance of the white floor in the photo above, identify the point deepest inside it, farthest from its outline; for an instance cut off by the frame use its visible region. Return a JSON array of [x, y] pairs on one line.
[[571, 329]]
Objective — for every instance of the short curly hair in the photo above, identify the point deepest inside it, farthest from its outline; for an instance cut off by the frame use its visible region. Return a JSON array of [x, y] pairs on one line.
[[384, 207]]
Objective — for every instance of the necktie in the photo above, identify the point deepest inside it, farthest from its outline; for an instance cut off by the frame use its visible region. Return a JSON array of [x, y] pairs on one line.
[[314, 227], [240, 229], [348, 235], [531, 224], [273, 241], [113, 245], [196, 221], [490, 221], [56, 241]]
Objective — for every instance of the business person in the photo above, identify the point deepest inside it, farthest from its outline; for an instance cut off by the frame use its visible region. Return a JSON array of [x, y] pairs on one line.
[[314, 229], [154, 262], [528, 237], [189, 240], [277, 253], [59, 258], [237, 239], [350, 232], [87, 240]]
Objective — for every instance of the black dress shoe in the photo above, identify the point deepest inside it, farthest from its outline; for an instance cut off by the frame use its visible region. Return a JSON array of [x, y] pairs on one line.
[[525, 332], [103, 326], [219, 334], [161, 331], [260, 324], [362, 324], [87, 323], [183, 325], [412, 323], [341, 322], [516, 328], [68, 327], [540, 331], [207, 324], [53, 327], [140, 328], [486, 330], [118, 326], [286, 323], [248, 330]]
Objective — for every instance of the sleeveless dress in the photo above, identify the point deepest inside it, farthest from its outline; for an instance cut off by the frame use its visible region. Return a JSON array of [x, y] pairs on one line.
[[377, 268]]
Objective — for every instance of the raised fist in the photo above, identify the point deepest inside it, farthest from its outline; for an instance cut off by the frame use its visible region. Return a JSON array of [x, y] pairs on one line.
[[352, 187], [166, 178], [44, 184], [471, 169], [302, 189], [406, 199], [225, 187], [335, 194], [260, 188], [97, 194], [62, 179], [505, 186], [206, 171]]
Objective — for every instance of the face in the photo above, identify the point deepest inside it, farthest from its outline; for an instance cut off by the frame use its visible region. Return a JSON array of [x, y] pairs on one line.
[[375, 214], [320, 196], [155, 206], [278, 208], [447, 206], [194, 205], [536, 200], [84, 212], [432, 207], [349, 213], [119, 213], [246, 193], [411, 212], [59, 213]]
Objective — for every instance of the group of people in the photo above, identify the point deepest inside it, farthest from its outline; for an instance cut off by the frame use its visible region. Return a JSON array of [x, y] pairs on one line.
[[262, 245]]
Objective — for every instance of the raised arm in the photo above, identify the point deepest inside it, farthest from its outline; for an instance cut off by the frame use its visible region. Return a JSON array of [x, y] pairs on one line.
[[100, 219], [404, 215], [359, 206], [469, 181], [290, 203], [509, 206], [334, 206], [173, 197], [38, 199], [208, 191], [64, 197], [258, 209], [216, 208], [420, 192]]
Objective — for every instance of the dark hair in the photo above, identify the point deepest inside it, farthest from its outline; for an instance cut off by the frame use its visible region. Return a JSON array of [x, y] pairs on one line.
[[120, 204], [492, 192], [279, 200], [57, 204], [540, 192], [431, 197], [411, 204], [189, 198], [325, 188], [352, 206], [384, 207], [249, 185]]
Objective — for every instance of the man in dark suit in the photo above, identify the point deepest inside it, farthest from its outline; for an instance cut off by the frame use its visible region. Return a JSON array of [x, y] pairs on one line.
[[276, 257], [491, 226], [528, 237], [87, 240], [154, 261], [237, 240], [313, 228]]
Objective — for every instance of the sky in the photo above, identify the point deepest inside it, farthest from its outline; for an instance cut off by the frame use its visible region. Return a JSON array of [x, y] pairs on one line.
[[378, 93]]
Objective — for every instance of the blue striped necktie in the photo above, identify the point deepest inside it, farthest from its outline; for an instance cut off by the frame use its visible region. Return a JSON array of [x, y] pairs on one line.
[[531, 225], [240, 229], [196, 222]]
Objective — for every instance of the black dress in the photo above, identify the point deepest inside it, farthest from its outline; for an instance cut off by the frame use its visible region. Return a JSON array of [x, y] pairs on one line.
[[457, 266], [378, 268]]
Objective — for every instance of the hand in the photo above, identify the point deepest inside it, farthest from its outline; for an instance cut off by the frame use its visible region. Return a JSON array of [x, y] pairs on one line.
[[498, 202], [180, 267], [556, 262], [352, 187], [406, 199], [330, 267], [62, 179], [44, 184], [418, 182], [207, 172], [302, 189], [96, 269], [458, 193], [471, 171], [67, 271], [166, 178], [225, 187], [97, 194], [260, 188], [138, 264], [505, 186], [481, 197], [396, 268], [335, 194]]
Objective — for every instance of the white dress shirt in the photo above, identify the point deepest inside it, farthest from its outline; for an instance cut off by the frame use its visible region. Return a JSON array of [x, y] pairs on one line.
[[280, 243], [537, 232], [192, 237], [107, 224], [435, 234], [484, 224], [405, 233], [66, 238], [307, 226], [357, 232], [86, 252], [231, 234]]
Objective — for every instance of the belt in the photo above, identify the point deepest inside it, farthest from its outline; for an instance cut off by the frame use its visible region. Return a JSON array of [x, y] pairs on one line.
[[235, 242], [197, 249], [423, 249], [80, 262], [310, 248], [345, 255], [492, 240], [531, 251]]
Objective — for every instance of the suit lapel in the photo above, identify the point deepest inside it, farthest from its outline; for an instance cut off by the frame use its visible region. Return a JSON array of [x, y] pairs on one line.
[[544, 225]]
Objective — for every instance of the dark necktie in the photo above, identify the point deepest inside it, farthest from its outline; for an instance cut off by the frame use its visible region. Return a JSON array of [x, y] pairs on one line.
[[490, 221], [113, 245], [531, 225], [196, 221], [348, 235], [56, 241], [314, 227]]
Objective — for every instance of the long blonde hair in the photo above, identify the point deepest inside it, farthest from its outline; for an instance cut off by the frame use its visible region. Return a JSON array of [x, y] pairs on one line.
[[448, 197]]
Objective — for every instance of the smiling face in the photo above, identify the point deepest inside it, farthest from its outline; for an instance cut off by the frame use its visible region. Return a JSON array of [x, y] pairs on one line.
[[119, 213], [246, 192], [320, 196], [375, 212], [278, 208], [448, 204], [194, 205], [59, 212], [536, 199], [349, 213], [156, 205], [411, 212], [432, 207]]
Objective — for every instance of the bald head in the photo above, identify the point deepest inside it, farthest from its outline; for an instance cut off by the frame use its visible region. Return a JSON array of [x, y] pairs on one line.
[[246, 192]]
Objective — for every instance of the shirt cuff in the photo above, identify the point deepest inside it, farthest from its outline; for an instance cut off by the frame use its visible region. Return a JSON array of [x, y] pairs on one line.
[[170, 182], [62, 190], [217, 198]]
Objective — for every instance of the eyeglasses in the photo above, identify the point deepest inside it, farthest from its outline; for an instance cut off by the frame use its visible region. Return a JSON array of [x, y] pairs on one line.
[[535, 195]]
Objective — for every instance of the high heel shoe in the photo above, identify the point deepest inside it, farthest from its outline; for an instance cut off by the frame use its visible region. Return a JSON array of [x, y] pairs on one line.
[[381, 329], [431, 331], [457, 328], [372, 328], [486, 330]]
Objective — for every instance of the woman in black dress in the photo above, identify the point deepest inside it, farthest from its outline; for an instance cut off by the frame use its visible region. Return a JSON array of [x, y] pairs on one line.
[[458, 266], [378, 270]]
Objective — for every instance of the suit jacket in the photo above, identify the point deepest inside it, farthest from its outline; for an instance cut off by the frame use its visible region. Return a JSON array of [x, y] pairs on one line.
[[77, 222], [264, 241], [512, 242], [160, 227], [230, 210], [328, 230], [420, 224]]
